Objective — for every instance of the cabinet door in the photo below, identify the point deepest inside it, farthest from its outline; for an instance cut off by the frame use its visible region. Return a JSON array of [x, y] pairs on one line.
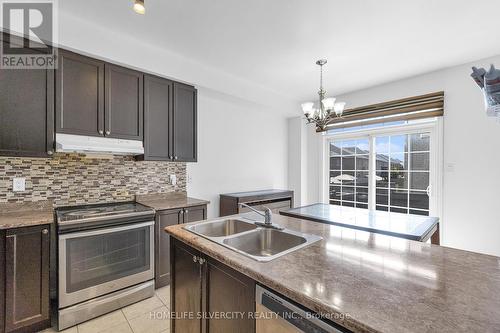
[[157, 122], [2, 281], [27, 279], [184, 123], [26, 112], [229, 291], [162, 245], [79, 95], [196, 213], [124, 103], [186, 288]]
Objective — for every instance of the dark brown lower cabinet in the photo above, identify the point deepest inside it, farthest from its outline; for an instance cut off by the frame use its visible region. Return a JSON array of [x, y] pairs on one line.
[[193, 214], [164, 219], [229, 291], [27, 279], [203, 288], [2, 281]]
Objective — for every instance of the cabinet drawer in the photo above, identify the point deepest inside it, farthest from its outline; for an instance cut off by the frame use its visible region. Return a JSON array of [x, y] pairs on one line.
[[274, 206]]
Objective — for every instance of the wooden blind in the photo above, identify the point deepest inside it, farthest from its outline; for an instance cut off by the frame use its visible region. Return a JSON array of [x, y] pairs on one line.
[[424, 106]]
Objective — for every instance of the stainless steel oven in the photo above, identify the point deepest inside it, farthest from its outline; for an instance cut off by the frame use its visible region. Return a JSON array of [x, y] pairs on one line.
[[97, 262], [105, 260]]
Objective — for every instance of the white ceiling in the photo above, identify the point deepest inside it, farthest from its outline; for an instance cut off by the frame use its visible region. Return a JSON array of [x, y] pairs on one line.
[[275, 43]]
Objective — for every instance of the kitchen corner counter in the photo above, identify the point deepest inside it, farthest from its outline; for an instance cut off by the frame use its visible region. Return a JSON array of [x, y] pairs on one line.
[[164, 201], [375, 283], [17, 215]]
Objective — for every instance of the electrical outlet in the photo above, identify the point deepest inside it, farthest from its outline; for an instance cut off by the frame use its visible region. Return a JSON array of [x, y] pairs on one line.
[[173, 179], [19, 184]]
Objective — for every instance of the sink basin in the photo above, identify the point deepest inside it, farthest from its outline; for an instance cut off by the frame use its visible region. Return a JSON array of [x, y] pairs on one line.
[[222, 228], [259, 243], [265, 242]]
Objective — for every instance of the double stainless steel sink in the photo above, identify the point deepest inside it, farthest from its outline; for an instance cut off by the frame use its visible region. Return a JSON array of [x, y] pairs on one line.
[[259, 243]]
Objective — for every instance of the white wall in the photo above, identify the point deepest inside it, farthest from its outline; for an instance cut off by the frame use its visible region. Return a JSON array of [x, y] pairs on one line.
[[471, 191], [241, 147]]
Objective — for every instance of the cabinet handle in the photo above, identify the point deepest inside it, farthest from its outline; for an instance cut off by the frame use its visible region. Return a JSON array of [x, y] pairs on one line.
[[45, 231], [108, 132], [195, 258], [201, 261], [50, 153], [101, 132], [170, 157], [175, 157], [186, 211]]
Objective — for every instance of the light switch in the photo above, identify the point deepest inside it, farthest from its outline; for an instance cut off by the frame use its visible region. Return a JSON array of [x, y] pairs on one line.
[[19, 184]]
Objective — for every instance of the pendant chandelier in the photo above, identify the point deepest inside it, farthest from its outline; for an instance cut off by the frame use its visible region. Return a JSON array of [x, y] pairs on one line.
[[326, 109]]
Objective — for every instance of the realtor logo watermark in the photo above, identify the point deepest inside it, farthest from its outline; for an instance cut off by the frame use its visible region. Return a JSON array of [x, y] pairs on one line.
[[34, 20]]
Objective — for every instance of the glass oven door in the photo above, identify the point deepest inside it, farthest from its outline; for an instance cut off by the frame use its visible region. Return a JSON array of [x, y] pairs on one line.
[[97, 262]]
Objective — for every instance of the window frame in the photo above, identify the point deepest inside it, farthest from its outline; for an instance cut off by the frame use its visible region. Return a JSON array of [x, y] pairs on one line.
[[434, 127]]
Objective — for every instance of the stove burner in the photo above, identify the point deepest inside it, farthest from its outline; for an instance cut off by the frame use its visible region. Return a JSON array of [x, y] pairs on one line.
[[101, 212]]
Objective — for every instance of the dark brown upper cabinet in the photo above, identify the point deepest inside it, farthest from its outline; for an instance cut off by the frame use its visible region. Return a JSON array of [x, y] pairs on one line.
[[169, 121], [184, 123], [26, 112], [79, 95], [124, 103], [157, 119], [98, 99]]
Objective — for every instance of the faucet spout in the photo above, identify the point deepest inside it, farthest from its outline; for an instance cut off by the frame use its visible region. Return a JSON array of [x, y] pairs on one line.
[[268, 214]]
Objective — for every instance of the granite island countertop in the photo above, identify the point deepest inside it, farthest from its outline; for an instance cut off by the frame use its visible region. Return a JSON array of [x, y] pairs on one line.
[[376, 283], [16, 215], [163, 201]]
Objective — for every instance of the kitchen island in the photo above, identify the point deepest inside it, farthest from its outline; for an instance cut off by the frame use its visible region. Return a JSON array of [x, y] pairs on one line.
[[408, 226], [368, 282]]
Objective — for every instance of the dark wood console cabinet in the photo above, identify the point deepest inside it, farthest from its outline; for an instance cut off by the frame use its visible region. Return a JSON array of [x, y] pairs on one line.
[[276, 200]]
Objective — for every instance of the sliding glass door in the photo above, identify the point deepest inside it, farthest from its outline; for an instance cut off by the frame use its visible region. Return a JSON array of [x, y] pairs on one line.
[[383, 169]]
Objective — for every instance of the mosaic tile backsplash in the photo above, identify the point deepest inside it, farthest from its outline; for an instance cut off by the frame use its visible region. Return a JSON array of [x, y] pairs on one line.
[[70, 179]]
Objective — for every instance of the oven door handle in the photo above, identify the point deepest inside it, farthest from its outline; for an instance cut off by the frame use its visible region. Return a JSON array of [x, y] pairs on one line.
[[105, 231]]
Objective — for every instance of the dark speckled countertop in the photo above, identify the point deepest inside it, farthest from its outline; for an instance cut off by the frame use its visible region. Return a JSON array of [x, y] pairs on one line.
[[16, 215], [379, 283], [162, 201]]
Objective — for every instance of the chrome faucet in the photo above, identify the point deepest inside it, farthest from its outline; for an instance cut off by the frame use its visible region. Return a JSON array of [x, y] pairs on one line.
[[267, 214]]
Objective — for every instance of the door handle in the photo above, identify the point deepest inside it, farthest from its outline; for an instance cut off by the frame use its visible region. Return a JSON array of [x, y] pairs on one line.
[[429, 191]]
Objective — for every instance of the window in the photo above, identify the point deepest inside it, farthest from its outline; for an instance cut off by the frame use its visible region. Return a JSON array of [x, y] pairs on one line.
[[382, 169], [402, 173], [349, 162]]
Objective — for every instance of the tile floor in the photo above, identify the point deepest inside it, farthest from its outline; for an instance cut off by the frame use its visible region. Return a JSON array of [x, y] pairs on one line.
[[147, 316]]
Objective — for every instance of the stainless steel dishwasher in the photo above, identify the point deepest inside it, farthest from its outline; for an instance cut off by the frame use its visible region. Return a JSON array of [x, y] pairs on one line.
[[276, 314]]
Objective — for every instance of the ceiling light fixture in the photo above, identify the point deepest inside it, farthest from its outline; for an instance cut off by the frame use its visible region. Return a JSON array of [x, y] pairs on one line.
[[139, 7], [327, 107]]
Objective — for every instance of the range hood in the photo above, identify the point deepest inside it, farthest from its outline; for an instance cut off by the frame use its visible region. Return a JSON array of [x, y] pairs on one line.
[[69, 143]]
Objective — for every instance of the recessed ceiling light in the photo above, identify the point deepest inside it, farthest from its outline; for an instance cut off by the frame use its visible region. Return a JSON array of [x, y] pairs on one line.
[[139, 7]]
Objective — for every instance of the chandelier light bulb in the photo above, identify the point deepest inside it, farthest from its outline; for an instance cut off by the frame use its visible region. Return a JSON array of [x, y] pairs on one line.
[[339, 108], [328, 103], [308, 108]]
